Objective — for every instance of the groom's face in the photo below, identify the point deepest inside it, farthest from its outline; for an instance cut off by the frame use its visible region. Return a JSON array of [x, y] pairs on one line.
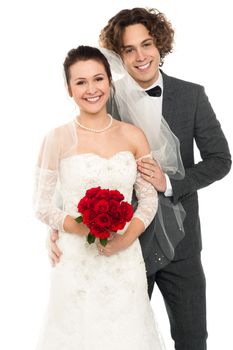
[[140, 55]]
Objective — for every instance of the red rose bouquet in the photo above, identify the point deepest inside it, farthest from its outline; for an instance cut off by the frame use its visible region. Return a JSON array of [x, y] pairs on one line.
[[103, 211]]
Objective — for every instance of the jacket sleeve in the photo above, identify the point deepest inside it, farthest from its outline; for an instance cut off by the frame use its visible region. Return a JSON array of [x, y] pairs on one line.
[[214, 151]]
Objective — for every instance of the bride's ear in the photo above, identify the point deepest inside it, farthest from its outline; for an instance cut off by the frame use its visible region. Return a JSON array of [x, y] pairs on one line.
[[69, 91]]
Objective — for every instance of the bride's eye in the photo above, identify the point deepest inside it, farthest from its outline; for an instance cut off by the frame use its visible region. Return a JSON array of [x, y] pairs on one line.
[[81, 82]]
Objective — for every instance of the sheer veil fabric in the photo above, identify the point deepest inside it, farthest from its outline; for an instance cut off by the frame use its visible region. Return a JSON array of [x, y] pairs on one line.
[[136, 107]]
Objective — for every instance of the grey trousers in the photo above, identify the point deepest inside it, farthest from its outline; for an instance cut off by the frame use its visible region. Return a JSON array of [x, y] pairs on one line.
[[182, 284]]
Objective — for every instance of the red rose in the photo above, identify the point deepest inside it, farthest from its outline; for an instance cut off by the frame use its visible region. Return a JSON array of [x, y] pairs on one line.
[[92, 192], [117, 226], [104, 235], [103, 220], [88, 217], [118, 223], [91, 203], [113, 207], [103, 194], [126, 211], [99, 232], [101, 206], [114, 194], [82, 205]]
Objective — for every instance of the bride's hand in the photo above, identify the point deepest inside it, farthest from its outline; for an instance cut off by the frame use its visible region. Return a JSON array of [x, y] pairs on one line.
[[114, 245]]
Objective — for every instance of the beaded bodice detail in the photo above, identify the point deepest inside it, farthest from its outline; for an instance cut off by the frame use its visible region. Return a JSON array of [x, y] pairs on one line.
[[83, 171]]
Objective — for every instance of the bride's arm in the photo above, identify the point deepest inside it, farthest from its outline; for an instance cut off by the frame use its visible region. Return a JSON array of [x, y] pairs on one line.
[[47, 172], [45, 208]]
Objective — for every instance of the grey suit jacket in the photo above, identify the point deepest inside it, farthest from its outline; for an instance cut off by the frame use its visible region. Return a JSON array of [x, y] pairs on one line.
[[188, 112]]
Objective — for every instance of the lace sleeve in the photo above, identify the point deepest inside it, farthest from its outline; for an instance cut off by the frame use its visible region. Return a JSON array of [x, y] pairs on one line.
[[147, 200], [57, 144], [45, 207]]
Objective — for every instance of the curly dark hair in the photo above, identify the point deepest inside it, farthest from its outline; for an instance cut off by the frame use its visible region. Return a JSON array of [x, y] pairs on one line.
[[156, 23]]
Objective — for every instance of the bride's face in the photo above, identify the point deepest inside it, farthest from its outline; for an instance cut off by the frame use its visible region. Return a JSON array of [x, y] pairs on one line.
[[89, 85]]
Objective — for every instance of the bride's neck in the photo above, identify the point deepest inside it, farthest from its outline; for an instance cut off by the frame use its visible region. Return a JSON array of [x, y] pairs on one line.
[[93, 120]]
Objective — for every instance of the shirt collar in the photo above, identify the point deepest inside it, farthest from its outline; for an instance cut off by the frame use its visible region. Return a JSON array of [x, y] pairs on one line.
[[159, 82]]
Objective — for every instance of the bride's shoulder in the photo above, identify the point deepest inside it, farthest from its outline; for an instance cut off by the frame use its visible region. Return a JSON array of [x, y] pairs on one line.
[[137, 138], [64, 127], [61, 129], [60, 136], [131, 130]]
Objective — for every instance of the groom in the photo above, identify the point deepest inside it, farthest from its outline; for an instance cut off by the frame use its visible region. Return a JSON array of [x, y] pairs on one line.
[[143, 38]]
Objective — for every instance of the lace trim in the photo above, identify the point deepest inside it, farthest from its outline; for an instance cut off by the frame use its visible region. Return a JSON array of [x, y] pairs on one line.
[[147, 200], [45, 208]]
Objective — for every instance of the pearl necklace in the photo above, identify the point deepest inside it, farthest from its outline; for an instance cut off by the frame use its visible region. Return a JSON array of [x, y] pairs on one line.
[[95, 130]]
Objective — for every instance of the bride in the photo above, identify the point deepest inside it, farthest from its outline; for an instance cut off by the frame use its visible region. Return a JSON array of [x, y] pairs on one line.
[[98, 295]]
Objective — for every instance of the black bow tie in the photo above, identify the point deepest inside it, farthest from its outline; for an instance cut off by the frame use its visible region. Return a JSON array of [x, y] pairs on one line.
[[155, 91]]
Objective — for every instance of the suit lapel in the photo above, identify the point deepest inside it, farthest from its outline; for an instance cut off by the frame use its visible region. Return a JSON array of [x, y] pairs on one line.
[[168, 108]]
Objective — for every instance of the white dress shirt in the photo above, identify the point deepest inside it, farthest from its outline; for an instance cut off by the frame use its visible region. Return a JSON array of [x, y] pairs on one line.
[[159, 81]]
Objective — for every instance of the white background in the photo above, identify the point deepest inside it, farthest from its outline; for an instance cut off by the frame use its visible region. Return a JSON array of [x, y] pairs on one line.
[[35, 37]]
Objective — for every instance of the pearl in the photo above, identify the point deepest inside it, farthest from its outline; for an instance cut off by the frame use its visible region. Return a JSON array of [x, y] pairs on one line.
[[95, 130]]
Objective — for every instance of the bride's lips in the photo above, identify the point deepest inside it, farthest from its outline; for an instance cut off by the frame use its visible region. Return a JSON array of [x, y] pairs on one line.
[[93, 99]]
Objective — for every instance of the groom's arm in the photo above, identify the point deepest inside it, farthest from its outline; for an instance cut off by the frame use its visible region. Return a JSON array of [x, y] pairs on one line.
[[213, 147], [214, 150]]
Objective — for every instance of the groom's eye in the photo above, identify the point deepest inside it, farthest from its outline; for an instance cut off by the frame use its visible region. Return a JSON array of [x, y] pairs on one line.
[[147, 44], [128, 50]]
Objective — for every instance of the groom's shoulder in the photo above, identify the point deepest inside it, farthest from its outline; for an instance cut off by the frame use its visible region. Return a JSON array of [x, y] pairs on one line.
[[180, 84]]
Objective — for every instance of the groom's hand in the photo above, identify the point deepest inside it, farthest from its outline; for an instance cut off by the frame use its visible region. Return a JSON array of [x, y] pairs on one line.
[[151, 172], [54, 251]]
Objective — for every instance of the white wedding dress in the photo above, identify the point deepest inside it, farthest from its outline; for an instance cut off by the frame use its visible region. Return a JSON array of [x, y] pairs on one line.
[[96, 302]]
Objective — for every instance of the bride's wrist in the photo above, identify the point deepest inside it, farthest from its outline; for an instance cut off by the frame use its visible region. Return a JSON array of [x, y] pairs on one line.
[[71, 226], [82, 229], [126, 239], [129, 237]]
